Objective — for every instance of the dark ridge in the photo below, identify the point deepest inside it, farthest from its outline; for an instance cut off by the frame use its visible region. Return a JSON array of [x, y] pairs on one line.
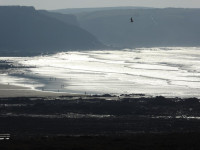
[[26, 30]]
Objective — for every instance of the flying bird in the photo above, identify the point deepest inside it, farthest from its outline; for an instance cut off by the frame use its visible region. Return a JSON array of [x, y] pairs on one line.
[[131, 19]]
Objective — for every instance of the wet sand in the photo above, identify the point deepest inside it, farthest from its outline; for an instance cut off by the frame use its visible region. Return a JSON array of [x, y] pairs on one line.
[[17, 91]]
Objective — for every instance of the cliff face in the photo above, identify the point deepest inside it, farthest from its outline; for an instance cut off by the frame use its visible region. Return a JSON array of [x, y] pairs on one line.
[[26, 29]]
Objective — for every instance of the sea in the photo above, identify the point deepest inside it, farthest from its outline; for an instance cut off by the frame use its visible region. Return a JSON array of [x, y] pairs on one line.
[[157, 71]]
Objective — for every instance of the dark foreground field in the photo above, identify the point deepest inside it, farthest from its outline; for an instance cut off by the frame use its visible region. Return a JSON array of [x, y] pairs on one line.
[[173, 141], [100, 122]]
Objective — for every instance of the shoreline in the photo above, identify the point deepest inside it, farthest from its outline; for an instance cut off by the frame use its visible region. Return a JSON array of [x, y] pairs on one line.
[[14, 91]]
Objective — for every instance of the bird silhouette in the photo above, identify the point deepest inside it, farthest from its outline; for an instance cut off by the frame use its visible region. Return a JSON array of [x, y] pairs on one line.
[[131, 19]]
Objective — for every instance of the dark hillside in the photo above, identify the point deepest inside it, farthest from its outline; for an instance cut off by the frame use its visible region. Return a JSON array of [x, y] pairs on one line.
[[25, 29]]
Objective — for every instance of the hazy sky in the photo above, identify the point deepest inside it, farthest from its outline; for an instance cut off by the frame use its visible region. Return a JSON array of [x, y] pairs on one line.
[[57, 4]]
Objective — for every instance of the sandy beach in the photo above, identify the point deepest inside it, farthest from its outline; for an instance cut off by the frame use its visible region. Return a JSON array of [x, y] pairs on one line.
[[149, 71], [17, 91]]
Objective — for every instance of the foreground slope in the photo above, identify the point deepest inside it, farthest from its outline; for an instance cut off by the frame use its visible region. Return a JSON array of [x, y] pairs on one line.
[[25, 29]]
